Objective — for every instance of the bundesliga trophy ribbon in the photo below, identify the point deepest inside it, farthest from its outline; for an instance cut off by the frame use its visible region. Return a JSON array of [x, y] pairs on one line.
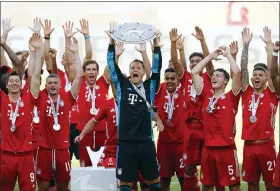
[[134, 33]]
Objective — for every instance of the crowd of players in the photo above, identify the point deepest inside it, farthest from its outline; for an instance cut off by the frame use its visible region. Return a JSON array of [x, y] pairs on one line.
[[42, 129]]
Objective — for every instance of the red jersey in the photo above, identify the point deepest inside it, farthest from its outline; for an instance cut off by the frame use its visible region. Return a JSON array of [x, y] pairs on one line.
[[84, 102], [66, 86], [173, 130], [219, 125], [109, 114], [21, 139], [193, 101], [49, 137], [264, 126]]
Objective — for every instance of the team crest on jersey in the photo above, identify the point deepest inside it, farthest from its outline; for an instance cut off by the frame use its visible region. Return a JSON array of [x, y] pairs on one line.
[[119, 171], [38, 171], [21, 104], [185, 156], [61, 103]]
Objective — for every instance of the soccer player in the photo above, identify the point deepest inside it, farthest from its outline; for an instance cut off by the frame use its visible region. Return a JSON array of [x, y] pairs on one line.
[[171, 108], [194, 136], [219, 163], [17, 161], [259, 106], [53, 155], [275, 76], [136, 147]]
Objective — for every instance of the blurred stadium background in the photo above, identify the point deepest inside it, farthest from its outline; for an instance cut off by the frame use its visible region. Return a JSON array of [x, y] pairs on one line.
[[221, 22]]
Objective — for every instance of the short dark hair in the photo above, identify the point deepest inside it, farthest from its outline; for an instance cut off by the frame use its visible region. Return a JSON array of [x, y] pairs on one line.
[[13, 73], [169, 70], [196, 54], [4, 72], [226, 74], [137, 60], [53, 76], [88, 62], [259, 68], [264, 66]]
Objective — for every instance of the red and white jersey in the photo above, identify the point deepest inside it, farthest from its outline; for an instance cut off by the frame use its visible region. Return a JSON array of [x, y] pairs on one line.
[[108, 113], [264, 126], [21, 139], [49, 137], [173, 132], [219, 125], [66, 86], [84, 102], [193, 101]]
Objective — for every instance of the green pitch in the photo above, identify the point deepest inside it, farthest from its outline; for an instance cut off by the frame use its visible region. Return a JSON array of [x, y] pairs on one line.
[[174, 184]]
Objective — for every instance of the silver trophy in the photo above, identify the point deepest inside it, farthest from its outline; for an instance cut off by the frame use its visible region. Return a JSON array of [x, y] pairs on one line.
[[134, 33]]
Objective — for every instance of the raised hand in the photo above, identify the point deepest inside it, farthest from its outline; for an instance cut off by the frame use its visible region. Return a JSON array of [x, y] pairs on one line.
[[246, 36], [84, 27], [25, 55], [47, 27], [198, 34], [233, 48], [141, 47], [174, 35], [119, 49], [52, 53], [68, 29], [111, 29], [36, 25], [180, 43], [153, 47], [266, 35], [157, 39], [223, 50], [216, 53], [35, 41], [74, 46], [276, 46], [6, 25]]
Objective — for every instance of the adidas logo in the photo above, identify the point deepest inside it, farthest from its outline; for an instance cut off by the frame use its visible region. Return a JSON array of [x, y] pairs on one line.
[[233, 178]]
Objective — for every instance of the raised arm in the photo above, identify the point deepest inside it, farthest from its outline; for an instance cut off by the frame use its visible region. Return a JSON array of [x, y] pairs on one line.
[[35, 79], [6, 26], [52, 55], [233, 51], [269, 49], [246, 38], [114, 70], [197, 79], [142, 49], [75, 88], [68, 33], [85, 31], [236, 72], [156, 67], [179, 69], [181, 47], [47, 27], [275, 73], [31, 64], [200, 36]]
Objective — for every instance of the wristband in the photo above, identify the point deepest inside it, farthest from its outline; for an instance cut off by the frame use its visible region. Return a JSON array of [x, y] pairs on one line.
[[47, 37], [87, 37], [275, 53]]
